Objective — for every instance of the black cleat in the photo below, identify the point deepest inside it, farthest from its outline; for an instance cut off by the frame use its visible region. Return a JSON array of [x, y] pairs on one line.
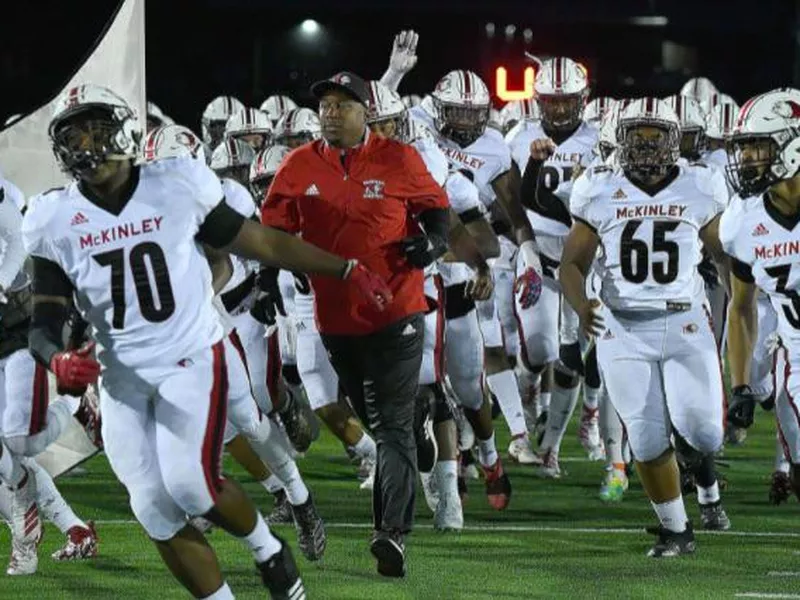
[[427, 449], [281, 511], [714, 517], [671, 543], [280, 575], [311, 537], [388, 548], [780, 490], [299, 421]]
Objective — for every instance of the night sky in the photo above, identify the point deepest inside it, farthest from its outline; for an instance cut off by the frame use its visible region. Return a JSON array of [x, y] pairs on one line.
[[251, 48]]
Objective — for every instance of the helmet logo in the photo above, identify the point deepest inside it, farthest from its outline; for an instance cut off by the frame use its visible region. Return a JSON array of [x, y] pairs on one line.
[[344, 79], [787, 109], [444, 85]]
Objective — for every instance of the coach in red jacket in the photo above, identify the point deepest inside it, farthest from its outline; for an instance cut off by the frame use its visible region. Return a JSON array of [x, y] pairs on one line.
[[371, 199]]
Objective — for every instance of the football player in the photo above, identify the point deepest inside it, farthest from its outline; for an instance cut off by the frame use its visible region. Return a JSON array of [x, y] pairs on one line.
[[655, 344], [250, 126], [134, 264], [296, 127], [215, 117], [276, 106]]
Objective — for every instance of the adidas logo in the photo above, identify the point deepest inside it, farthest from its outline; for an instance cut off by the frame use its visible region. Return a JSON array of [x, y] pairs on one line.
[[760, 230], [79, 219], [409, 330], [312, 190], [619, 194]]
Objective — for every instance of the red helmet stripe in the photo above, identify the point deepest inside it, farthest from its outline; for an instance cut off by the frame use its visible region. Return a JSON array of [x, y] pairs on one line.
[[679, 107], [648, 105], [467, 84], [558, 73]]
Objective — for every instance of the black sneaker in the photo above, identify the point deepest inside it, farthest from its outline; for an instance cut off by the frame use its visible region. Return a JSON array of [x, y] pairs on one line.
[[714, 517], [780, 489], [299, 421], [671, 543], [281, 511], [388, 548], [311, 537], [280, 575]]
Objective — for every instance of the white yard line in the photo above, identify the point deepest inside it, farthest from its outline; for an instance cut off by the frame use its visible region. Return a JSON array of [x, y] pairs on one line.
[[783, 574], [765, 595]]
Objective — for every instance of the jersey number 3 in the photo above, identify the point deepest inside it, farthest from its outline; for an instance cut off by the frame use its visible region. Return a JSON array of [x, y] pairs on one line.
[[781, 274], [139, 256], [634, 254]]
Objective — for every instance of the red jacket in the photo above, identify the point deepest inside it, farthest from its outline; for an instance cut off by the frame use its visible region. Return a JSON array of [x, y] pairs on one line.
[[359, 206]]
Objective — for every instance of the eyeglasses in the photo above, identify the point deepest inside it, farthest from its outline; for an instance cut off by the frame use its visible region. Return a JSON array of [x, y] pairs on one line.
[[327, 106]]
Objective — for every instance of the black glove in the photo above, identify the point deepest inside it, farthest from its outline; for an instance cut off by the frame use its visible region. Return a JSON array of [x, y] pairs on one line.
[[421, 250], [571, 357], [269, 303], [742, 406]]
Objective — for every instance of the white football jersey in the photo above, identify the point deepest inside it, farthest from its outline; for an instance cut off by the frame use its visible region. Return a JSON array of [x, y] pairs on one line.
[[431, 155], [650, 245], [141, 278], [12, 251], [754, 233], [463, 194]]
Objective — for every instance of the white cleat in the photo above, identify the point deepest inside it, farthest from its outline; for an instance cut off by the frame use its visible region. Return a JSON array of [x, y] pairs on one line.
[[449, 514], [520, 451], [366, 467], [369, 482], [430, 489], [589, 434], [26, 527], [550, 468], [466, 435]]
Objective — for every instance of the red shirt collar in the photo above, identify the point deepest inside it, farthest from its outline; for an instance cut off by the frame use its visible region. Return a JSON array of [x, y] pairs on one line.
[[334, 154]]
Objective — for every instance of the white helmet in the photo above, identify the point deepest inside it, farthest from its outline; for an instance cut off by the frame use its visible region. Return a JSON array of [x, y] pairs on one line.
[[720, 121], [693, 124], [412, 100], [156, 116], [232, 159], [12, 119], [249, 123], [276, 106], [123, 135], [699, 88], [297, 127], [216, 115], [717, 99], [385, 105], [518, 110], [765, 145], [462, 106], [495, 120], [562, 88], [263, 169], [607, 134], [597, 108], [643, 155], [172, 141], [427, 105]]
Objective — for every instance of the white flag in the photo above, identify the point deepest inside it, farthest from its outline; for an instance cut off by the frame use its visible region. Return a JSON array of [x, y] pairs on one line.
[[117, 62]]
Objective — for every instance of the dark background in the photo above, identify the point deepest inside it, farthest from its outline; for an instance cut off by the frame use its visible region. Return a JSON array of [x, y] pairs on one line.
[[251, 48]]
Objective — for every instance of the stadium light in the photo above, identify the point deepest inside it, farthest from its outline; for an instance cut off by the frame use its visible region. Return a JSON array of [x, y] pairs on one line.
[[309, 27], [510, 31], [490, 30]]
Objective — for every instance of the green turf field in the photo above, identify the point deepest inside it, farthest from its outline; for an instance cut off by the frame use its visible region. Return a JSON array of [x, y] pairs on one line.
[[556, 540]]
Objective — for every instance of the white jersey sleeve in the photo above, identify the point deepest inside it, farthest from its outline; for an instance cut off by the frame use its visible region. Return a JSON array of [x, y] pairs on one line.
[[238, 198], [199, 182], [13, 255], [463, 194], [36, 226], [433, 157]]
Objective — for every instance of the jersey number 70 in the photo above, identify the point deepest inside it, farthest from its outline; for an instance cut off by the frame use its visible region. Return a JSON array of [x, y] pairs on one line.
[[141, 280]]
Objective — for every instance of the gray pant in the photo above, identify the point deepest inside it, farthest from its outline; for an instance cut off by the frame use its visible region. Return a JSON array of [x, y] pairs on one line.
[[380, 374]]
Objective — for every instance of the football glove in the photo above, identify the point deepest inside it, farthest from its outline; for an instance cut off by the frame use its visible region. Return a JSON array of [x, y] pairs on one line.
[[75, 369], [372, 286], [269, 303], [528, 285], [742, 406]]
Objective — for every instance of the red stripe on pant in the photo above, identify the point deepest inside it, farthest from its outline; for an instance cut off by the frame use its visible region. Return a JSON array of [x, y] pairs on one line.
[[787, 371], [721, 371], [41, 399], [273, 369], [237, 343], [438, 350], [215, 426]]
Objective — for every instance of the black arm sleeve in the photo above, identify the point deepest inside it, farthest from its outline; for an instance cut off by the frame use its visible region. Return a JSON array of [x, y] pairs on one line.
[[47, 331], [530, 180], [471, 215], [221, 226], [49, 279], [436, 222], [742, 271]]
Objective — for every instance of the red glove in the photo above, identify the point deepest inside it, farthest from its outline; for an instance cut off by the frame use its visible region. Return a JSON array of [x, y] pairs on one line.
[[371, 285], [75, 369]]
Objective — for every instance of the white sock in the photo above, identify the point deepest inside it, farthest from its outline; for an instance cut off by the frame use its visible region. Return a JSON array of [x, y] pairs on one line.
[[611, 431], [504, 386], [708, 495], [562, 406], [672, 514], [487, 451], [223, 593], [11, 471], [544, 401], [282, 465], [50, 501], [591, 397], [781, 462], [272, 484], [261, 541], [446, 473], [365, 446]]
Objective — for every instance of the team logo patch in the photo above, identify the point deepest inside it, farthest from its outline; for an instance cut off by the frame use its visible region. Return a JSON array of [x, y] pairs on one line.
[[373, 189], [760, 229], [619, 195], [691, 328]]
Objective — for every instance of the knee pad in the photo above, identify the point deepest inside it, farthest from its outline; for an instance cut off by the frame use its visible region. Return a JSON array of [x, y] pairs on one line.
[[564, 378], [442, 411], [26, 445], [689, 457]]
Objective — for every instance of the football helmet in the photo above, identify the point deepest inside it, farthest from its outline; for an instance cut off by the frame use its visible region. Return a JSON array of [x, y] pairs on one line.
[[462, 106], [232, 159], [648, 138], [156, 117], [12, 119], [216, 115], [171, 141], [411, 100], [716, 99], [263, 169], [765, 145], [721, 120], [607, 134], [427, 105], [519, 110], [699, 88], [693, 125], [276, 106], [92, 125], [251, 126], [597, 108], [385, 105], [562, 89], [297, 127]]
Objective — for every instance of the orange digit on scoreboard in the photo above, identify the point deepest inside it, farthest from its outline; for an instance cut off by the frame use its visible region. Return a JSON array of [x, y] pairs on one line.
[[507, 95]]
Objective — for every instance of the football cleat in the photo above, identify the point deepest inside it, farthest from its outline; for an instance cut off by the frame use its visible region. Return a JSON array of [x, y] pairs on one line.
[[466, 434], [280, 575], [449, 513], [714, 517], [468, 467], [88, 415], [311, 537], [550, 468], [672, 543], [390, 551], [281, 510], [26, 527], [430, 489], [589, 434], [614, 485], [366, 467], [520, 451], [780, 489], [427, 448], [369, 482], [540, 427], [498, 486], [82, 542], [299, 422]]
